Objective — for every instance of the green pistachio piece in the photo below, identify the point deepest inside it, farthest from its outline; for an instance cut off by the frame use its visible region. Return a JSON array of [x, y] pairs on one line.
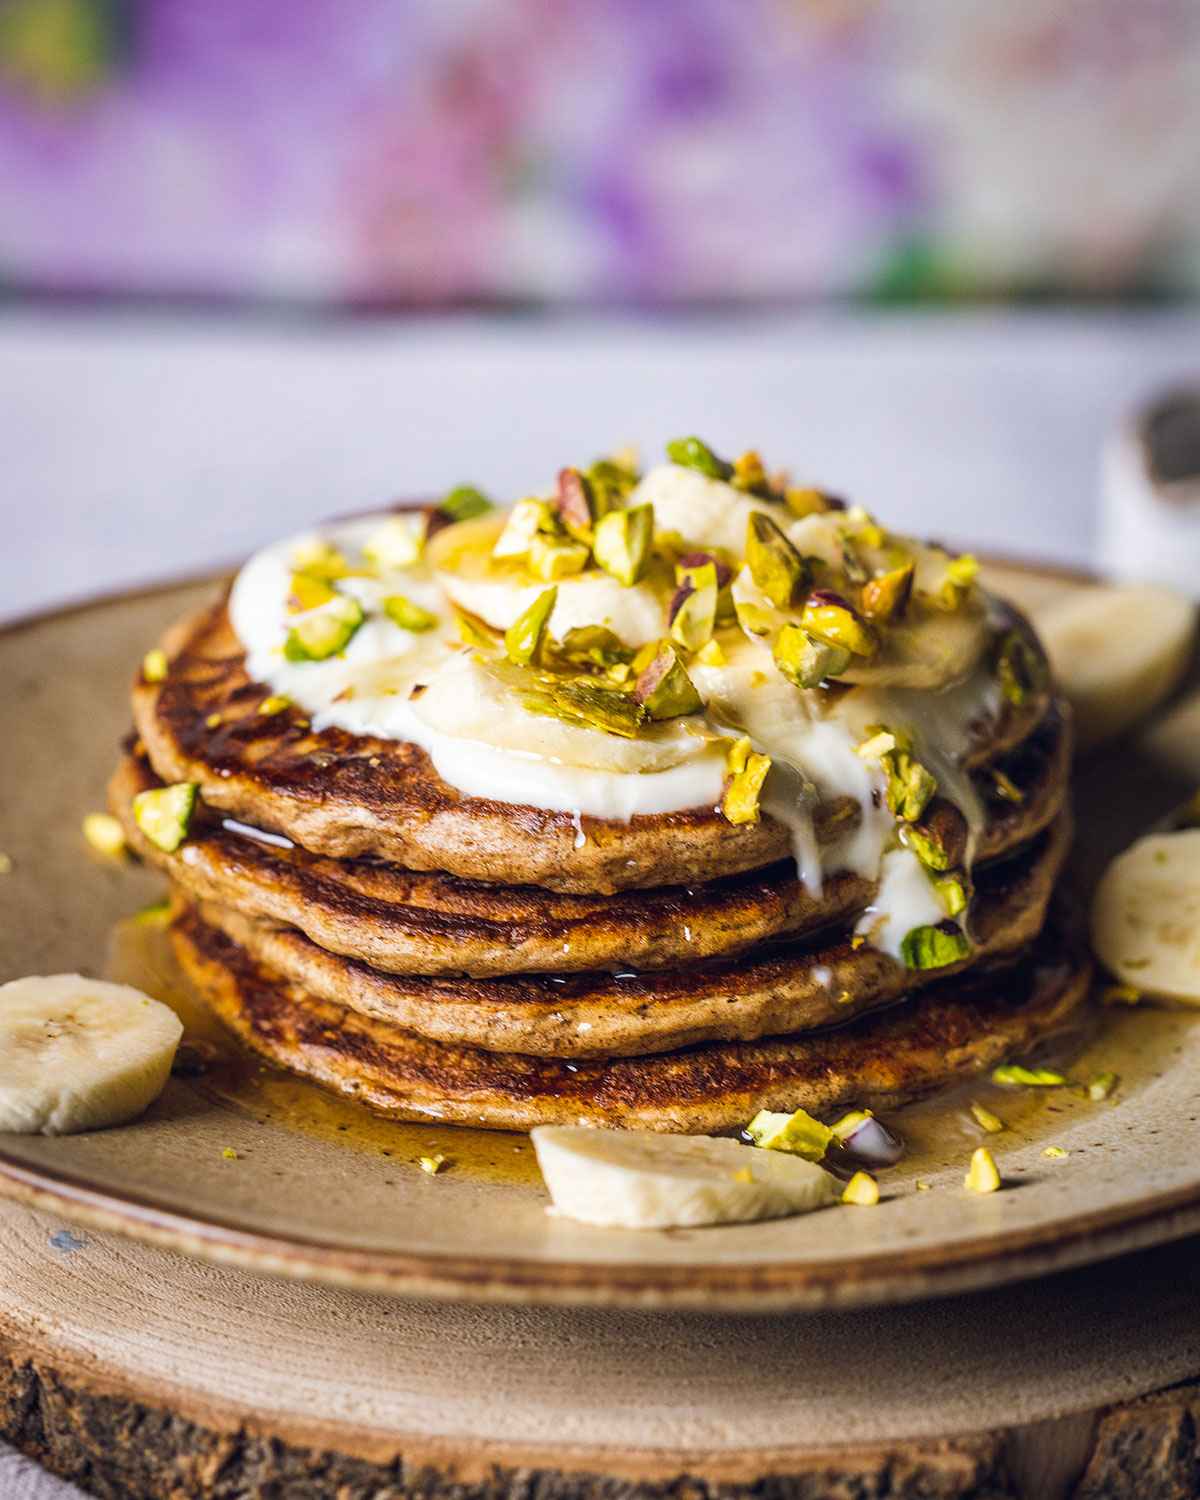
[[797, 1133], [550, 559], [738, 753], [611, 482], [319, 559], [576, 504], [1014, 1074], [939, 839], [842, 1129], [589, 702], [753, 619], [886, 598], [854, 564], [306, 592], [591, 646], [775, 565], [740, 803], [909, 785], [473, 631], [397, 543], [805, 660], [830, 618], [803, 501], [1020, 667], [952, 893], [1102, 1086], [622, 542], [663, 687], [463, 503], [693, 609], [324, 632], [165, 814], [749, 474], [523, 638], [691, 453], [407, 615], [983, 1175], [1005, 787], [525, 520], [934, 947]]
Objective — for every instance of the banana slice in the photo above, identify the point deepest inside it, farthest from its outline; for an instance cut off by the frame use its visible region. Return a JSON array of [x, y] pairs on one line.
[[79, 1054], [637, 1179], [1117, 653], [1146, 916]]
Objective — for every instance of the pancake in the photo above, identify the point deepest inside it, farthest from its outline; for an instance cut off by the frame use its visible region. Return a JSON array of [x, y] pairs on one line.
[[957, 1029], [348, 796], [775, 992], [421, 922]]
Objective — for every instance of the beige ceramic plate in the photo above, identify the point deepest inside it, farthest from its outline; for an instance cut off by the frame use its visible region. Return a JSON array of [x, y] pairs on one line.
[[317, 1189]]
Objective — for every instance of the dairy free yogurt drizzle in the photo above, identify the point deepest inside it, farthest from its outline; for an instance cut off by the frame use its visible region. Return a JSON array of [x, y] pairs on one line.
[[424, 687]]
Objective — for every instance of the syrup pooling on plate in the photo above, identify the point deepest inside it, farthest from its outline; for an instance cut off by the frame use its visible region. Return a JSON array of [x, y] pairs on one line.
[[699, 607]]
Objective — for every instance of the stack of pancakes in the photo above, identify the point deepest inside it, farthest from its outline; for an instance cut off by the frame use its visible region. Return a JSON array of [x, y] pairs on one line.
[[354, 919]]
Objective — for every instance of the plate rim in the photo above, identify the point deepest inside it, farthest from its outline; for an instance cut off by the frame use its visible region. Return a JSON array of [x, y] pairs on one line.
[[900, 1274]]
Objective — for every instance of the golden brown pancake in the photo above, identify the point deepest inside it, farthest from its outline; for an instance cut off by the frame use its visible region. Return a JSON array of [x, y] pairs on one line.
[[775, 991], [421, 922], [958, 1028], [349, 796]]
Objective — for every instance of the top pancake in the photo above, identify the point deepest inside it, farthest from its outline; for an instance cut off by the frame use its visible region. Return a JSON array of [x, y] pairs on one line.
[[349, 796]]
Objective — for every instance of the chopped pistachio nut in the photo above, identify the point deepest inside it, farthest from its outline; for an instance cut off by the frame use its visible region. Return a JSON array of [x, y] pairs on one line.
[[753, 619], [525, 520], [104, 834], [275, 704], [952, 893], [983, 1175], [612, 479], [306, 592], [463, 503], [431, 1165], [550, 558], [862, 1190], [622, 543], [663, 686], [775, 565], [712, 655], [474, 632], [749, 474], [879, 742], [1016, 1074], [740, 803], [1006, 787], [910, 787], [165, 814], [319, 559], [922, 1186], [803, 501], [739, 752], [830, 618], [154, 665], [156, 914], [1120, 994], [397, 543], [1056, 1153], [409, 616], [938, 842], [523, 638], [805, 660], [934, 947], [885, 598], [691, 453], [986, 1120], [578, 505], [1020, 668], [229, 1153], [1102, 1086], [587, 701], [797, 1133], [325, 632], [593, 646], [693, 608]]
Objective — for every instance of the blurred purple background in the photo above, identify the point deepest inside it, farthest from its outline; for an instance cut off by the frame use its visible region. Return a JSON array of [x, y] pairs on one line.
[[649, 151]]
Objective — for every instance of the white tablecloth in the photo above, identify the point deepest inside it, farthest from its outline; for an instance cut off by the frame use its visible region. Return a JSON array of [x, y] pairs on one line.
[[135, 447]]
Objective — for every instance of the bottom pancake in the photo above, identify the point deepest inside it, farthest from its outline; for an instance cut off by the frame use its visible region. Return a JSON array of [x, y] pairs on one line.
[[958, 1028]]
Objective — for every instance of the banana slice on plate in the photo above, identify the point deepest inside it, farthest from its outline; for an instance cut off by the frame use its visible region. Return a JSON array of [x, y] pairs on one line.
[[1146, 916], [1117, 653], [638, 1179], [79, 1054]]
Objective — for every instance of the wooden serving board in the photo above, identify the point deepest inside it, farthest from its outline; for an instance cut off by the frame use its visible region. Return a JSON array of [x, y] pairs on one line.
[[138, 1373]]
